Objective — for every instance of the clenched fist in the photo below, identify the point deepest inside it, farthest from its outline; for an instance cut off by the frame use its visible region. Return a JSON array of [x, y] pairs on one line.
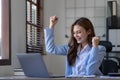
[[95, 41], [53, 21]]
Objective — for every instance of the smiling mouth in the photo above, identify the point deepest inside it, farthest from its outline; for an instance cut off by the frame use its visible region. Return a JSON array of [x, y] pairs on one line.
[[78, 39]]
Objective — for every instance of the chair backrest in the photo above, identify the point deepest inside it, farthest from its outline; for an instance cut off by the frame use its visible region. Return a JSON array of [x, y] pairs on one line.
[[108, 65], [107, 45]]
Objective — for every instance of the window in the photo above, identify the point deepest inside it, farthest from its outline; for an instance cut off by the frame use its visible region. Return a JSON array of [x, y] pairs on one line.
[[5, 26], [34, 25]]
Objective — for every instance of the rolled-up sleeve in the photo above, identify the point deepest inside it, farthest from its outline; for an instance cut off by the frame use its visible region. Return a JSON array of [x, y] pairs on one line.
[[50, 45]]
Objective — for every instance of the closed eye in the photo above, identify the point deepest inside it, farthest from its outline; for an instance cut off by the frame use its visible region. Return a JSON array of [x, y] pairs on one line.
[[77, 32]]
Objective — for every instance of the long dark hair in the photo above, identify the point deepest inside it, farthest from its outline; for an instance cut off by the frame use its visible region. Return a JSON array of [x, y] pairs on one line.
[[87, 25]]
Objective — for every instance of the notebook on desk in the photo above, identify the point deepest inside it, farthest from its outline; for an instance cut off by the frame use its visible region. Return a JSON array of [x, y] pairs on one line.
[[33, 65]]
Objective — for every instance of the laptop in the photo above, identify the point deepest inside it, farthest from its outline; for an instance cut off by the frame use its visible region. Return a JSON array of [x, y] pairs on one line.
[[33, 65]]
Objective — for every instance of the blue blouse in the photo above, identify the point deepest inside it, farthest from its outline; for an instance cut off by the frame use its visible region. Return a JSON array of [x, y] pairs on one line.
[[91, 62]]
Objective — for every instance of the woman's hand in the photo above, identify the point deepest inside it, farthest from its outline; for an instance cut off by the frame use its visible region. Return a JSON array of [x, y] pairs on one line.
[[95, 41], [53, 21]]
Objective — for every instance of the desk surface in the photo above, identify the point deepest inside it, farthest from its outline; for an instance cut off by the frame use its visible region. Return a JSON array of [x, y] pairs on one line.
[[85, 78], [19, 75]]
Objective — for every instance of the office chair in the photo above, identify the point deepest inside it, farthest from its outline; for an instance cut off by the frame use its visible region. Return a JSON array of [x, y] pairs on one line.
[[107, 45], [108, 65]]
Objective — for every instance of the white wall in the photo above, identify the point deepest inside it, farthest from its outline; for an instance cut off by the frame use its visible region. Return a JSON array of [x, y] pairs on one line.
[[18, 35], [55, 64], [56, 7], [18, 29]]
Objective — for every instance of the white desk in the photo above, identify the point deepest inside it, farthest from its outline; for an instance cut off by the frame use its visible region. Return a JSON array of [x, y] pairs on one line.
[[29, 78], [20, 76]]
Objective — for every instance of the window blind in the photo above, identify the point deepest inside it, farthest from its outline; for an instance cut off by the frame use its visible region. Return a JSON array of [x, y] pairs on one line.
[[35, 39]]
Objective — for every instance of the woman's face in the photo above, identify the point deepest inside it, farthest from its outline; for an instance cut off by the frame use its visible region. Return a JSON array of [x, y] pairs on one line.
[[80, 34]]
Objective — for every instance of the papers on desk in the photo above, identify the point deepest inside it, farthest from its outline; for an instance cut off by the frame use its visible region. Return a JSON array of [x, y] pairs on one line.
[[75, 76]]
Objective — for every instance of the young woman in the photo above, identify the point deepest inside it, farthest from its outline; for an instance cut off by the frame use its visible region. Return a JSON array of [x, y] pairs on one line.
[[84, 54]]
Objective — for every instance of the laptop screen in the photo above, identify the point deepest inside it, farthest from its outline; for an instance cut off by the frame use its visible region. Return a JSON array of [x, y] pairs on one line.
[[32, 64]]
